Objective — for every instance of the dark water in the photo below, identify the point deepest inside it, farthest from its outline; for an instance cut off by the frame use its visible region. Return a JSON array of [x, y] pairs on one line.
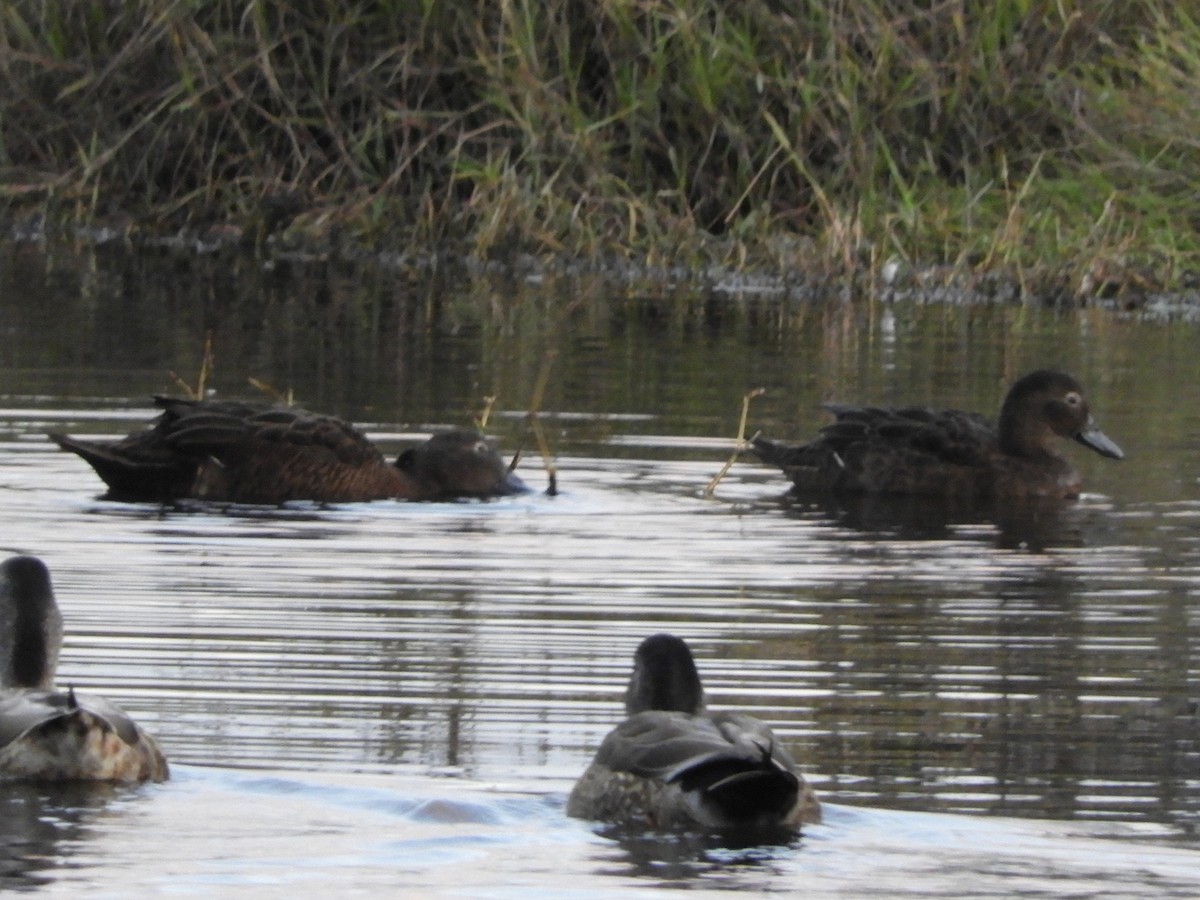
[[403, 693]]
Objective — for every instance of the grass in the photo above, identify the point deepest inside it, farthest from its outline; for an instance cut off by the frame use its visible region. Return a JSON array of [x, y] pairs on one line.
[[1048, 139]]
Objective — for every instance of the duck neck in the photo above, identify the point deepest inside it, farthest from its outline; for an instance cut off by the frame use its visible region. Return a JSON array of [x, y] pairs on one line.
[[31, 664], [1017, 438], [674, 689]]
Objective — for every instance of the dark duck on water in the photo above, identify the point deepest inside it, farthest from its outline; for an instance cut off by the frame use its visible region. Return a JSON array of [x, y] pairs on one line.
[[256, 453], [949, 453]]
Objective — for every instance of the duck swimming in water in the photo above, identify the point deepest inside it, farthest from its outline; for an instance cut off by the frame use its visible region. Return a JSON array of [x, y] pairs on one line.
[[47, 734], [672, 765], [256, 453], [948, 453]]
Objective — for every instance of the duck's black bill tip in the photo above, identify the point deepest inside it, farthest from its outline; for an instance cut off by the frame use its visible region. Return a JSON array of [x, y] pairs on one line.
[[511, 484]]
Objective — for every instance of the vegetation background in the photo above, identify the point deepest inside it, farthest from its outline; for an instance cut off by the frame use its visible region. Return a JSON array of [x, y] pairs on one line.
[[1054, 141]]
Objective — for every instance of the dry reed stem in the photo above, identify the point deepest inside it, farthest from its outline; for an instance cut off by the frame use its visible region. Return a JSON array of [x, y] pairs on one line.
[[535, 423], [741, 444], [287, 397], [481, 420], [206, 367]]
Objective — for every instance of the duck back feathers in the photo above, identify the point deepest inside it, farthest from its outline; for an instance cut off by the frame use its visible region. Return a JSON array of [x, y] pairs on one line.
[[64, 736]]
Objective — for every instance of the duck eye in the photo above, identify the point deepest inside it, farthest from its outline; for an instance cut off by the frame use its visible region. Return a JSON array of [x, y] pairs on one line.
[[1073, 398]]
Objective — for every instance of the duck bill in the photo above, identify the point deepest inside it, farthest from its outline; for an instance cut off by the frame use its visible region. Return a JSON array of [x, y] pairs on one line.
[[1092, 437], [511, 484]]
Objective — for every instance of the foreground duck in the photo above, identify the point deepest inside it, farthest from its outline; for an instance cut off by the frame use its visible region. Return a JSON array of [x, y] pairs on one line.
[[948, 453], [671, 765], [255, 453], [50, 735]]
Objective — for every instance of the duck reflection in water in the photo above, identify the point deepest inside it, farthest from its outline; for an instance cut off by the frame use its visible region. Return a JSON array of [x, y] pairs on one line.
[[43, 824], [672, 765], [1033, 524], [729, 860], [239, 452]]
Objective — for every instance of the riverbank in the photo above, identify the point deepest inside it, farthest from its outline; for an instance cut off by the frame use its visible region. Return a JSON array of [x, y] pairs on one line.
[[1047, 146]]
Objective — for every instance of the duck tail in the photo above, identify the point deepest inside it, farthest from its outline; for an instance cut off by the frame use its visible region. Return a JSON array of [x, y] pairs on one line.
[[772, 452], [759, 795], [743, 791], [128, 477], [98, 456]]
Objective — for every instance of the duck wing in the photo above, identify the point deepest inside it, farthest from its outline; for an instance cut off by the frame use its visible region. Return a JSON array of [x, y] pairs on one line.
[[948, 435], [271, 454], [204, 429], [874, 449], [231, 450], [23, 711]]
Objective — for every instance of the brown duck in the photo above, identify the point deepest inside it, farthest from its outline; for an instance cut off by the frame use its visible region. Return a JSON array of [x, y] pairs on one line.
[[672, 765], [255, 453], [948, 453], [47, 734]]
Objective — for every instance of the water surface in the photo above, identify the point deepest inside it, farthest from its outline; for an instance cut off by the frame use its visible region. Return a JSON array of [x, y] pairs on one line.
[[403, 693]]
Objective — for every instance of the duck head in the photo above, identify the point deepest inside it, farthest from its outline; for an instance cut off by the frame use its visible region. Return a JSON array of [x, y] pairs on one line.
[[664, 677], [30, 624], [1045, 405], [459, 463]]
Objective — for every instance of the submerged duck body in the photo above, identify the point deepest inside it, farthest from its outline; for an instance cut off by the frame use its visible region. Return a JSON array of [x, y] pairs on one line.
[[950, 453], [256, 453], [672, 765], [47, 734]]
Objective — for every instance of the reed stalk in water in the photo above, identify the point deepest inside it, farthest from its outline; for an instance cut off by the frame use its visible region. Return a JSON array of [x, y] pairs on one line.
[[740, 445]]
